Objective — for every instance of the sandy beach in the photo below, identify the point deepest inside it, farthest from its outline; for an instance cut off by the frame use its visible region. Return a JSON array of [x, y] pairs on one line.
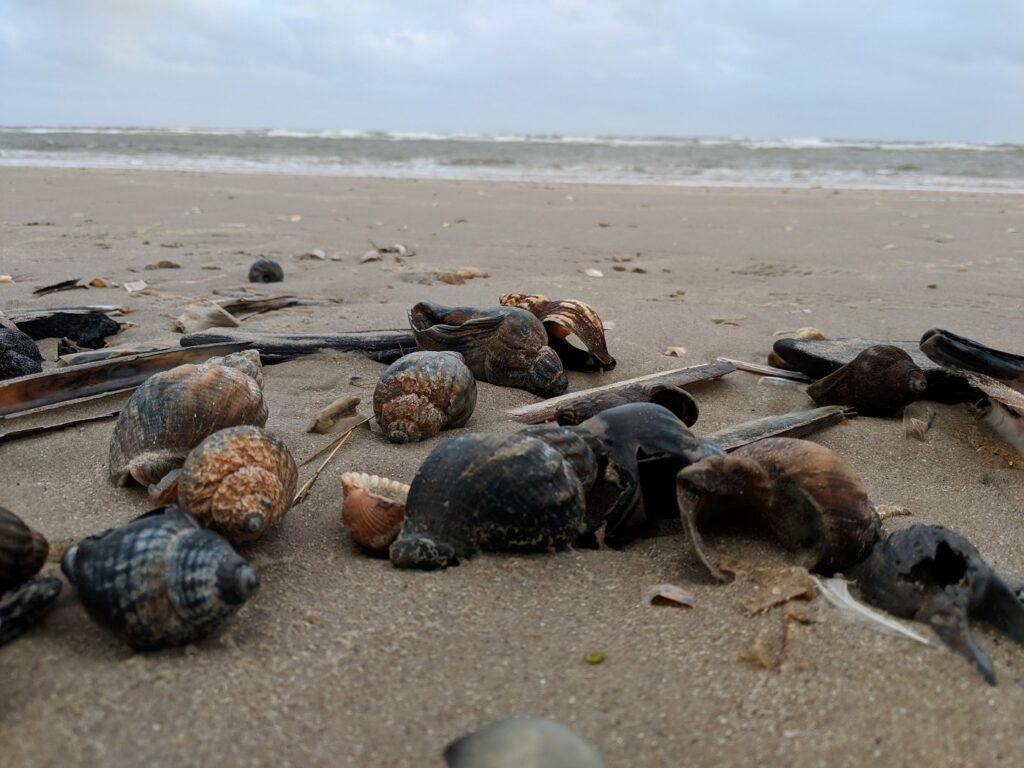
[[342, 659]]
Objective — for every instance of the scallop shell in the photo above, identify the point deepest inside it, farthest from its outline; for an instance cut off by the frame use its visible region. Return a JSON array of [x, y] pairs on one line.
[[24, 606], [501, 345], [373, 509], [19, 355], [879, 381], [174, 411], [422, 393], [810, 499], [22, 551], [562, 319], [239, 482], [160, 580], [494, 493]]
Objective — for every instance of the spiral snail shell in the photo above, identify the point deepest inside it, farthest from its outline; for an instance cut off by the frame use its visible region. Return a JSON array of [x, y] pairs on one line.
[[422, 393], [879, 381], [174, 411], [160, 580], [562, 319], [23, 599], [810, 499], [373, 509], [239, 481]]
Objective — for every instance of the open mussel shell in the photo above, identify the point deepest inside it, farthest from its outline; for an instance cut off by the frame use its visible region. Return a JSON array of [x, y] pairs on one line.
[[506, 346], [640, 449], [422, 393], [174, 411], [522, 742], [563, 319], [239, 481], [680, 402], [931, 574], [22, 550], [160, 580], [373, 509], [947, 348], [812, 502], [19, 355], [25, 605], [879, 381], [494, 493]]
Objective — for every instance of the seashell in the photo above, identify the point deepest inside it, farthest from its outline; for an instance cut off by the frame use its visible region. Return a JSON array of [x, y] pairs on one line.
[[522, 742], [160, 580], [814, 505], [22, 551], [879, 381], [947, 348], [422, 393], [265, 271], [239, 482], [502, 345], [338, 416], [561, 320], [373, 509], [931, 574], [19, 355], [495, 493], [174, 411], [24, 606], [675, 399], [640, 448]]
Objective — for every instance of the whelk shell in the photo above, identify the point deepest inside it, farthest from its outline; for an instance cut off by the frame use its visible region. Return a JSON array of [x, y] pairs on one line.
[[879, 381], [23, 551], [422, 393], [563, 318]]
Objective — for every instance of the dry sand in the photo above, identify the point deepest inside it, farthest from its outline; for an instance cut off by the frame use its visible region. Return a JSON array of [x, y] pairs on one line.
[[342, 659]]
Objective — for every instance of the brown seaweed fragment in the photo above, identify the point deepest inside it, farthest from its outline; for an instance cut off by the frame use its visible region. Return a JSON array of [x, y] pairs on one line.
[[563, 319]]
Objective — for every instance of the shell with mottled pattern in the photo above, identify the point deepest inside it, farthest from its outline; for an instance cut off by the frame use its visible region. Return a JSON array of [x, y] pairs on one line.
[[422, 393], [562, 319], [22, 550]]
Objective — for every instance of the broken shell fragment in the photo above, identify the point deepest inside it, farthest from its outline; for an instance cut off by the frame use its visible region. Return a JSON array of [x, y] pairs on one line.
[[239, 481], [265, 271], [502, 345], [813, 503], [25, 605], [422, 393], [668, 594], [338, 416], [373, 509], [562, 319], [947, 348], [495, 493], [522, 742], [931, 574], [174, 411], [202, 314], [879, 381], [22, 551], [19, 355], [160, 580]]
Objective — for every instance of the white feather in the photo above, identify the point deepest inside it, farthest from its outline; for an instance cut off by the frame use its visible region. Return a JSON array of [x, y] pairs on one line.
[[837, 592]]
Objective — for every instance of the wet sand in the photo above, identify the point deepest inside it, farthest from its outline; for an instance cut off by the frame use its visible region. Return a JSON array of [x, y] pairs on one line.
[[343, 660]]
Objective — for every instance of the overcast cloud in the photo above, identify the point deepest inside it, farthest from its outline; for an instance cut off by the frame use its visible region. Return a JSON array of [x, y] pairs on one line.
[[917, 69]]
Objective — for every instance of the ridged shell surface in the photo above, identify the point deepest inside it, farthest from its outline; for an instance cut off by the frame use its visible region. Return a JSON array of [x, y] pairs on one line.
[[497, 493], [239, 482], [563, 318], [421, 394], [160, 580], [22, 550], [373, 509], [24, 606], [172, 412]]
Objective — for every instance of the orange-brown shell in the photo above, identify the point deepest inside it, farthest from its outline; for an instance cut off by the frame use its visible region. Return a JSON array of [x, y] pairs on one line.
[[373, 509], [811, 500], [172, 412], [561, 319], [422, 393], [239, 482], [22, 551]]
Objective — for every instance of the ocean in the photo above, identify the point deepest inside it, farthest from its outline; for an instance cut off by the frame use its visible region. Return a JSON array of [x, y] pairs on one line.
[[829, 163]]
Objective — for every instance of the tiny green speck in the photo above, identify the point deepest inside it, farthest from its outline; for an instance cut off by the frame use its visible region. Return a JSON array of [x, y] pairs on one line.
[[593, 657]]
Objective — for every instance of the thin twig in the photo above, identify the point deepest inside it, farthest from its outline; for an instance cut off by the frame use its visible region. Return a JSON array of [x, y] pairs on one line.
[[333, 442], [308, 485]]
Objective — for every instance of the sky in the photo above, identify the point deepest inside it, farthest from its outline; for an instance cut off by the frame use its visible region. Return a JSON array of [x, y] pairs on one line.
[[948, 70]]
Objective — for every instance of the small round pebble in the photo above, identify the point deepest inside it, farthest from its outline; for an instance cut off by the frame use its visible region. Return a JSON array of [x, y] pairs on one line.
[[265, 271]]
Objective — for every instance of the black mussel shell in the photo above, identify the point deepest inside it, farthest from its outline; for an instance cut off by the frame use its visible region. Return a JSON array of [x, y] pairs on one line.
[[265, 271], [24, 606], [947, 348]]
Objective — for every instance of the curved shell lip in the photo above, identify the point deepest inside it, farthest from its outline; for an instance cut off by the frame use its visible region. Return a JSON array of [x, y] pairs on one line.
[[373, 509], [562, 319]]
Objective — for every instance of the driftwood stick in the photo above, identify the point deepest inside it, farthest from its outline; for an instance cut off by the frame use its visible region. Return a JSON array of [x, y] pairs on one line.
[[258, 306], [109, 353], [766, 370], [793, 424], [537, 413], [78, 381], [382, 346], [17, 434]]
